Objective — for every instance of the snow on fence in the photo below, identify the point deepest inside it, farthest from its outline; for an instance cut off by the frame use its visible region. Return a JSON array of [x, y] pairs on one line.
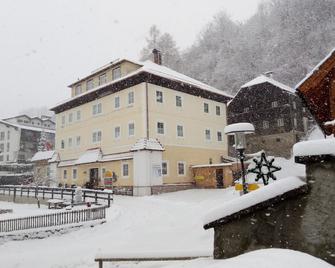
[[54, 219], [53, 192]]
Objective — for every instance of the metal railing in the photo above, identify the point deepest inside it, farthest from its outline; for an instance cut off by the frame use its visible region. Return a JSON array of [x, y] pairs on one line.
[[54, 219]]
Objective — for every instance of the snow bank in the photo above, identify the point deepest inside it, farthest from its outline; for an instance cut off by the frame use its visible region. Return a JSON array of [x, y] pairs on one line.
[[253, 198], [314, 147], [153, 254]]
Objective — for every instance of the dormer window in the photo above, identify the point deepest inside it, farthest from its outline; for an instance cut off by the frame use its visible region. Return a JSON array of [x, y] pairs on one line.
[[89, 84], [77, 90], [116, 73], [102, 79]]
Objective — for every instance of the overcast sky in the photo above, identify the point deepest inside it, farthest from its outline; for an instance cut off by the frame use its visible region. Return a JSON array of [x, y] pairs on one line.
[[47, 44]]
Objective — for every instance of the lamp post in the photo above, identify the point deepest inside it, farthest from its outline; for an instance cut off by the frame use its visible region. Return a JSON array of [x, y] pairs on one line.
[[239, 131]]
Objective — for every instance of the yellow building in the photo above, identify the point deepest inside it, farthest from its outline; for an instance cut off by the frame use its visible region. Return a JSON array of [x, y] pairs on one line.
[[143, 122]]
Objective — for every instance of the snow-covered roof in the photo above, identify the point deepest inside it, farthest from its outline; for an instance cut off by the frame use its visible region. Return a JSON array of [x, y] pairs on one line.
[[90, 156], [147, 144], [159, 70], [214, 165], [247, 128], [330, 123], [315, 69], [27, 127], [265, 79], [67, 163], [42, 155], [115, 157], [315, 147], [260, 195]]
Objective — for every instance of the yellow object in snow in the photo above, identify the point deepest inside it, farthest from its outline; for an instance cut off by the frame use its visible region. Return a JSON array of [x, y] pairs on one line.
[[251, 186]]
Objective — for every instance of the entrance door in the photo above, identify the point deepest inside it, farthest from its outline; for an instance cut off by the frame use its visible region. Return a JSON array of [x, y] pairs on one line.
[[219, 178], [94, 177]]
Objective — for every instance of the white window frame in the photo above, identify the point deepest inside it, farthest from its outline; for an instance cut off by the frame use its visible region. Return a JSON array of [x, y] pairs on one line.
[[63, 120], [78, 143], [97, 109], [181, 101], [62, 144], [210, 135], [96, 133], [266, 124], [64, 174], [78, 118], [70, 142], [294, 104], [217, 136], [159, 99], [280, 122], [133, 134], [274, 104], [164, 127], [167, 168], [246, 109], [119, 137], [216, 110], [183, 132], [122, 170], [88, 82], [114, 77], [131, 100], [184, 164], [119, 102], [206, 104], [295, 122], [77, 90], [100, 79], [74, 177]]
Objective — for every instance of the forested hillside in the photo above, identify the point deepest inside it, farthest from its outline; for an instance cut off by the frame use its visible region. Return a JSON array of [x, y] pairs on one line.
[[288, 37]]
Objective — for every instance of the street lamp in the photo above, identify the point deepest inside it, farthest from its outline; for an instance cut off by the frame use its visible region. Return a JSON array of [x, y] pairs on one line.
[[239, 131]]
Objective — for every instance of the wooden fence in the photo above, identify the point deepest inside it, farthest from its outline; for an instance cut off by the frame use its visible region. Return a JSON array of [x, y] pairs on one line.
[[53, 219], [54, 192]]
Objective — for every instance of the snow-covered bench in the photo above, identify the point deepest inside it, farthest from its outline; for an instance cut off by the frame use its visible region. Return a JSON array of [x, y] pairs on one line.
[[56, 203]]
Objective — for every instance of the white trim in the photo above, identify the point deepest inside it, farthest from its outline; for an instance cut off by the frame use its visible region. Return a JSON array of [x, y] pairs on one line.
[[96, 142], [117, 138], [164, 127], [182, 101], [117, 108], [203, 107], [217, 137], [131, 122], [185, 173], [180, 137], [122, 164], [97, 105], [130, 104], [167, 168], [75, 178], [210, 134], [156, 90]]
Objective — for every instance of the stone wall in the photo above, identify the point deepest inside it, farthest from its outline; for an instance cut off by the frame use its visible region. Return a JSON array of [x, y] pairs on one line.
[[304, 222]]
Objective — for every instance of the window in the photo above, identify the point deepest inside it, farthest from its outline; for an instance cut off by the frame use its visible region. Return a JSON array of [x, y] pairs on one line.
[[164, 168], [125, 170], [131, 97], [206, 107], [208, 134], [180, 131], [77, 90], [48, 171], [181, 168], [117, 102], [102, 79], [246, 109], [218, 110], [8, 135], [8, 146], [295, 122], [70, 118], [116, 73], [89, 84], [7, 157], [97, 108], [1, 158], [2, 135], [294, 105], [219, 134], [265, 124], [117, 132], [96, 136], [2, 148], [274, 104], [74, 173], [78, 141], [62, 144], [63, 120], [179, 101], [70, 142], [159, 96], [280, 122], [64, 174], [131, 129], [160, 127], [78, 115]]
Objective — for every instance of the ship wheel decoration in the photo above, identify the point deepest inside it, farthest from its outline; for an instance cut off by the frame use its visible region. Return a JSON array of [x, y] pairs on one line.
[[264, 169]]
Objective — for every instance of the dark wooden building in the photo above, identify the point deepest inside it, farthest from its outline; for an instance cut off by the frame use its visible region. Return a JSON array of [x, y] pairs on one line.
[[275, 110], [317, 91]]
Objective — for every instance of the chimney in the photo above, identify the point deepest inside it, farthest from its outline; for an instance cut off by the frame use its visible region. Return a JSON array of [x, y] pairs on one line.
[[269, 74], [157, 56]]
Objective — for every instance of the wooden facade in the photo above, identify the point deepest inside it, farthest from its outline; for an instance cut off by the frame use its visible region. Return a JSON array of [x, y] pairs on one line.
[[278, 115], [317, 90]]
